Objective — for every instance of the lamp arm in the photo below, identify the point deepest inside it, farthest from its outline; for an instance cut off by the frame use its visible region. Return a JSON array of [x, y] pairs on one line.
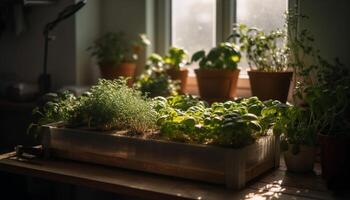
[[66, 13], [45, 79]]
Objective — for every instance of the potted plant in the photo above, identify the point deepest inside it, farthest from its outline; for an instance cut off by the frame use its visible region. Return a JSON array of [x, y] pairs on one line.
[[217, 75], [174, 62], [329, 98], [298, 130], [155, 81], [267, 58], [115, 56]]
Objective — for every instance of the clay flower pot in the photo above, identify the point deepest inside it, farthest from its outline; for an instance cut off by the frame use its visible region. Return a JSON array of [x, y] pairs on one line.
[[111, 72], [217, 84], [301, 162], [335, 160], [270, 85], [181, 76]]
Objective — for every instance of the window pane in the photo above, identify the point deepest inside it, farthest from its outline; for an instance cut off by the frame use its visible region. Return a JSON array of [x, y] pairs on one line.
[[265, 14], [193, 24]]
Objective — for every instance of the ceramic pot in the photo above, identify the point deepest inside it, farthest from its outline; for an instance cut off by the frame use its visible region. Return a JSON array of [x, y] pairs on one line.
[[270, 85], [301, 162], [111, 72], [335, 159], [217, 85], [181, 76]]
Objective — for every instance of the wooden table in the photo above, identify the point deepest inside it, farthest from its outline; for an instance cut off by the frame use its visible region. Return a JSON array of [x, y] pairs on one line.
[[276, 184]]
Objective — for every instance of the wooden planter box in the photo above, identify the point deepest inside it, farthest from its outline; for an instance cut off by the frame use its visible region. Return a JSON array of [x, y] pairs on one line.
[[232, 167]]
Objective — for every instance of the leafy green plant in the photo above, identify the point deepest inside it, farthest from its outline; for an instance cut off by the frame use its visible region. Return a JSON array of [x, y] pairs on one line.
[[109, 105], [322, 86], [56, 108], [264, 51], [224, 56], [232, 124], [176, 58], [329, 98], [155, 81], [297, 126], [112, 49]]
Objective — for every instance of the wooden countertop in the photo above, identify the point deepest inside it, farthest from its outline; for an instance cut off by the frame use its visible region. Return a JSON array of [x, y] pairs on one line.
[[276, 184]]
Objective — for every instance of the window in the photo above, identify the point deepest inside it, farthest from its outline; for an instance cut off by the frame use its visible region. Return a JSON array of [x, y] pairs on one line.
[[194, 22], [193, 25], [266, 14]]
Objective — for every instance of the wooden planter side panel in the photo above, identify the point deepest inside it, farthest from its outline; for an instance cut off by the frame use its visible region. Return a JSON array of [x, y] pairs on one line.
[[232, 167]]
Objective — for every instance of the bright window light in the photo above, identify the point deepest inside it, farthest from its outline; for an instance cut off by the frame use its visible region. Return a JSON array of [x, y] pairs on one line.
[[267, 15], [193, 24]]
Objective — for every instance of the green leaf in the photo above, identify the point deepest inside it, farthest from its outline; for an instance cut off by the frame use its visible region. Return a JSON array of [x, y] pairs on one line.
[[198, 55], [255, 126]]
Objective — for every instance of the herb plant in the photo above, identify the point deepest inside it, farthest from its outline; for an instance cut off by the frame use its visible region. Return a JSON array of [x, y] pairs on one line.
[[264, 51], [109, 105], [296, 127], [323, 87], [112, 49], [231, 124], [155, 81], [224, 56], [175, 59]]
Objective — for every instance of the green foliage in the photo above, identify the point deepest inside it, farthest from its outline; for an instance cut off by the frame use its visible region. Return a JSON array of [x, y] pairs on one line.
[[112, 49], [58, 108], [232, 124], [323, 86], [297, 126], [328, 97], [175, 58], [302, 55], [155, 81], [108, 105], [265, 51], [224, 56]]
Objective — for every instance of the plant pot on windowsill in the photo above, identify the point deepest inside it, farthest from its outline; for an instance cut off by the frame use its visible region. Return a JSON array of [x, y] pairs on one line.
[[217, 84], [335, 160], [217, 75], [301, 161], [270, 85], [181, 76], [111, 71]]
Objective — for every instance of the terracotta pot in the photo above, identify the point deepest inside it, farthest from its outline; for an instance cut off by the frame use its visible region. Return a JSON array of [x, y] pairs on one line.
[[179, 75], [302, 161], [217, 85], [111, 72], [270, 85], [335, 159]]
